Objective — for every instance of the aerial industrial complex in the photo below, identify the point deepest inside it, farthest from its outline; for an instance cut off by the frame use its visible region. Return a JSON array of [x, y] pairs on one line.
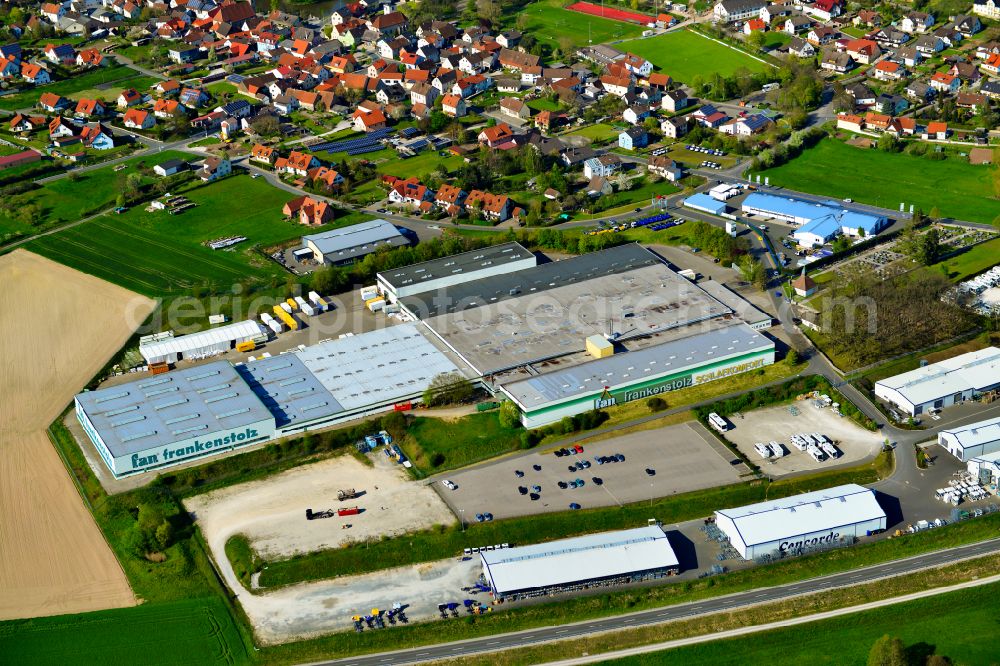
[[518, 328], [802, 522], [943, 384]]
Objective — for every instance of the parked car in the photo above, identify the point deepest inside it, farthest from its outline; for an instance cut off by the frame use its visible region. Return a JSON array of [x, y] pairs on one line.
[[449, 485], [574, 505], [650, 471]]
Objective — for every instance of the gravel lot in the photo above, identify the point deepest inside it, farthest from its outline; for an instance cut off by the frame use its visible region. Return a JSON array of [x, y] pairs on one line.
[[778, 424]]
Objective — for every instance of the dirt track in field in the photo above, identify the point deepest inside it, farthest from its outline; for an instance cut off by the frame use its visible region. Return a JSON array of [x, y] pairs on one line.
[[58, 327]]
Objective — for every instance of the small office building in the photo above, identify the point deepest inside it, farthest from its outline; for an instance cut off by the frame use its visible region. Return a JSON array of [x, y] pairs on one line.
[[976, 439], [942, 384]]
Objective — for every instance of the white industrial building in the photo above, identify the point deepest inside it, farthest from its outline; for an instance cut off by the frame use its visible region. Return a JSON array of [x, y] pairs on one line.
[[636, 375], [985, 468], [973, 440], [456, 269], [165, 348], [802, 522], [162, 420], [348, 244], [943, 384], [607, 558]]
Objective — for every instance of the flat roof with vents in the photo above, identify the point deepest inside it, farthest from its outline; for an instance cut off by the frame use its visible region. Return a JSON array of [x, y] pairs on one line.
[[457, 268], [357, 240], [620, 371], [383, 366], [286, 387], [160, 410]]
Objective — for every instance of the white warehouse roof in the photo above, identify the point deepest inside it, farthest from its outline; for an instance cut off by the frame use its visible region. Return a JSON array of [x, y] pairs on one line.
[[976, 434], [971, 371], [817, 511], [578, 559], [188, 344]]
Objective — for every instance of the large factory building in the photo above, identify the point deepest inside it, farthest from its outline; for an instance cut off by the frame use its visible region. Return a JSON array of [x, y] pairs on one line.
[[163, 420]]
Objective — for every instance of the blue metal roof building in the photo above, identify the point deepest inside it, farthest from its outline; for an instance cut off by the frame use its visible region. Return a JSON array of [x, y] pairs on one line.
[[820, 222], [705, 203]]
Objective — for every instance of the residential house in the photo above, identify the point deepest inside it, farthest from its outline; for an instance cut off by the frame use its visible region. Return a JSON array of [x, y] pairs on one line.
[[62, 54], [754, 24], [821, 35], [892, 105], [797, 23], [732, 11], [674, 100], [518, 60], [967, 72], [633, 138], [674, 128], [991, 64], [263, 154], [496, 136], [167, 108], [664, 167], [370, 121], [298, 163], [800, 48], [604, 165], [60, 128], [24, 124], [138, 119], [453, 106], [991, 89], [920, 91], [988, 8], [747, 125], [637, 65], [35, 74], [936, 131], [410, 192], [52, 102], [944, 82], [310, 211], [450, 198], [326, 177], [863, 51], [97, 136], [599, 186], [90, 58], [89, 108], [194, 98], [169, 168], [129, 98], [929, 45], [877, 122], [974, 101], [916, 22], [967, 25], [513, 107], [908, 55], [636, 114], [836, 61], [709, 116], [886, 70], [167, 88], [868, 18], [495, 207], [824, 10], [620, 86], [889, 37], [862, 94], [423, 93], [850, 122], [215, 168]]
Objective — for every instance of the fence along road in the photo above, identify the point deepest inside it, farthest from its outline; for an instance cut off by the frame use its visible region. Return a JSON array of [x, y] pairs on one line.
[[661, 615]]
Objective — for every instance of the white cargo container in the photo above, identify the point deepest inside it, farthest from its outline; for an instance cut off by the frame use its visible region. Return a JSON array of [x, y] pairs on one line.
[[376, 304], [309, 309], [301, 301], [266, 318], [319, 301], [763, 449], [286, 307]]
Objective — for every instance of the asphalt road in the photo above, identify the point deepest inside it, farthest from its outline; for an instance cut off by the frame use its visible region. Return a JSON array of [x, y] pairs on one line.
[[730, 602]]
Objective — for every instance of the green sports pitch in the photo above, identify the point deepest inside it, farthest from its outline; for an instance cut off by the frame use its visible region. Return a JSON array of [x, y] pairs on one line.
[[197, 631], [685, 55], [549, 22]]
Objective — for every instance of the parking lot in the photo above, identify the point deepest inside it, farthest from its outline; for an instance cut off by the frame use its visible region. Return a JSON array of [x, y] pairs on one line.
[[682, 458], [779, 423]]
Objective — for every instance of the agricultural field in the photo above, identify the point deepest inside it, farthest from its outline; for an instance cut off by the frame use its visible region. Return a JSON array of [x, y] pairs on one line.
[[70, 198], [195, 631], [549, 22], [106, 82], [685, 55], [956, 188], [159, 254], [848, 639]]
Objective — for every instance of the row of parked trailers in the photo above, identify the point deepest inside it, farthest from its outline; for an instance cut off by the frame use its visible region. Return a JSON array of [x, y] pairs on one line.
[[816, 445], [284, 312]]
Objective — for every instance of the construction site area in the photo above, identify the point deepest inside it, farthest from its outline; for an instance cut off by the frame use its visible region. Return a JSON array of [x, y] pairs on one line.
[[785, 425]]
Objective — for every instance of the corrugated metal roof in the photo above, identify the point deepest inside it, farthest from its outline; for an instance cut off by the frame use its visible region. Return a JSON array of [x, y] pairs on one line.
[[159, 410], [975, 434], [814, 211], [466, 263], [976, 370], [356, 240], [789, 517], [185, 344], [382, 366], [287, 388], [702, 201], [626, 368], [579, 559]]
